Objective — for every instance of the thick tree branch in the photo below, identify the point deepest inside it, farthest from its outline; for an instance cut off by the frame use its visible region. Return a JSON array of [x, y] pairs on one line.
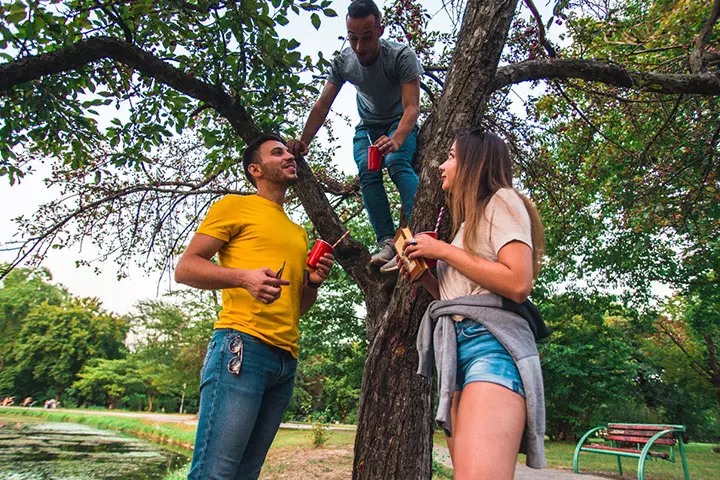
[[697, 64], [435, 68], [429, 92], [436, 78], [595, 71], [97, 48], [541, 29]]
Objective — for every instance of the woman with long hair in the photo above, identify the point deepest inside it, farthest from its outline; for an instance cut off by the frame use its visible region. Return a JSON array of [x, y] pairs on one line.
[[480, 330]]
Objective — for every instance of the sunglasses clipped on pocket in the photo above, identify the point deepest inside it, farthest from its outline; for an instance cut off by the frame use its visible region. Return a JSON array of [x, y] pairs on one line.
[[236, 348]]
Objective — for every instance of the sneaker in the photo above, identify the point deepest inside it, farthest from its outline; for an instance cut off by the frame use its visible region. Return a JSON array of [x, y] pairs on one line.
[[391, 266], [386, 253]]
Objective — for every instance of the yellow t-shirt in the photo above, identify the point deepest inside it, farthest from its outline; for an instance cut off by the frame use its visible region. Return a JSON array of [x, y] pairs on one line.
[[259, 234]]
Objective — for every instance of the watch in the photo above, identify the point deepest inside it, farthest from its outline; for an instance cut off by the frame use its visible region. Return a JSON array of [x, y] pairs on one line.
[[312, 284]]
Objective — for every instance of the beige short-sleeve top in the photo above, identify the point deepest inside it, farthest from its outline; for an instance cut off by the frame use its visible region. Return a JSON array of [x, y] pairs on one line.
[[506, 219]]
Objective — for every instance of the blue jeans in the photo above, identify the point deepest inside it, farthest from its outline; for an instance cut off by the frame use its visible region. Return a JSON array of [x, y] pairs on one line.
[[240, 414], [399, 166], [482, 358]]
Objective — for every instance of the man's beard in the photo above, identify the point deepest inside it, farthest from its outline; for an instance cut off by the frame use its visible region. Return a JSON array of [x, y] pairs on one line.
[[279, 178]]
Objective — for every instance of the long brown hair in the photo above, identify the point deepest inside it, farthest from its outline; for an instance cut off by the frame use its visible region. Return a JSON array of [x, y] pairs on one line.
[[483, 168]]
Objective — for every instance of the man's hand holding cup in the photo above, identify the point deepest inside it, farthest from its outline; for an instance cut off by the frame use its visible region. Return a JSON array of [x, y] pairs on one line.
[[320, 260], [322, 271]]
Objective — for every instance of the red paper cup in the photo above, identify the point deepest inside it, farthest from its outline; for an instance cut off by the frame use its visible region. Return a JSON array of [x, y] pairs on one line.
[[431, 262], [320, 248], [374, 158]]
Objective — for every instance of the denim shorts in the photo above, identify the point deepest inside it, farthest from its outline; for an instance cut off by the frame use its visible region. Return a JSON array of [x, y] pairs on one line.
[[482, 358]]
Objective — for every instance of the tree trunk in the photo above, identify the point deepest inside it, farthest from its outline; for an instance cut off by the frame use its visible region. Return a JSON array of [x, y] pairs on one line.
[[394, 437]]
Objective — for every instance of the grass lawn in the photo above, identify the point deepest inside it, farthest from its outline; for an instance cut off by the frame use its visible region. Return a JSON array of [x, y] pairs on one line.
[[293, 456]]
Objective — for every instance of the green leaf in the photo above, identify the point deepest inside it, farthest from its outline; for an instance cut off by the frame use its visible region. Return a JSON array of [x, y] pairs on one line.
[[315, 19], [16, 17], [293, 58], [329, 12]]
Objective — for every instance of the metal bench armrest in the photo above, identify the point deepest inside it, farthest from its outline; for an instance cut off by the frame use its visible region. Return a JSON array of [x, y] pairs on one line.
[[580, 444]]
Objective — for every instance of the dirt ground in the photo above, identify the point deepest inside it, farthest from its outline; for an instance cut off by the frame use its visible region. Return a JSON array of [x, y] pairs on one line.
[[326, 463]]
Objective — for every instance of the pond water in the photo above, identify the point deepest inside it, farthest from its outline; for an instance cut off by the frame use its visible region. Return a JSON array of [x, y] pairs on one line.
[[69, 451]]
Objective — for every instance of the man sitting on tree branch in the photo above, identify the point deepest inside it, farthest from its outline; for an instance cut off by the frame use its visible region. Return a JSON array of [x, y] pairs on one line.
[[387, 78]]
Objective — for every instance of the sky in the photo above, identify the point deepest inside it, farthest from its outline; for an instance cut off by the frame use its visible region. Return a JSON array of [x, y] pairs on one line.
[[120, 295]]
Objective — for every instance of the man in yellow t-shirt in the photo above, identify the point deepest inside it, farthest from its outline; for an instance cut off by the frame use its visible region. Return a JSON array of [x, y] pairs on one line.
[[249, 371]]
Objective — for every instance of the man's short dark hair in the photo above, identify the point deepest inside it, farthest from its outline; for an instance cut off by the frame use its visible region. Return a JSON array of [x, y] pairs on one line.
[[363, 8], [252, 152]]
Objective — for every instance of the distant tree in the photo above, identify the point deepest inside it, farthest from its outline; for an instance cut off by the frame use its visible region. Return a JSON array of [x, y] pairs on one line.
[[20, 291], [108, 382], [103, 382], [56, 341], [589, 362], [671, 386], [691, 323], [173, 333]]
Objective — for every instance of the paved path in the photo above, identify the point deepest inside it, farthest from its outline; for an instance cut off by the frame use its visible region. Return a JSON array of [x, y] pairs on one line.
[[523, 472]]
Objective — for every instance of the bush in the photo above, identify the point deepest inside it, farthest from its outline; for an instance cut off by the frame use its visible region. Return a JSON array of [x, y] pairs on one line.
[[320, 433]]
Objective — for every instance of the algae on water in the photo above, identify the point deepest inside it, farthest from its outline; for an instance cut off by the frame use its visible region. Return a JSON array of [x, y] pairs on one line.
[[68, 451]]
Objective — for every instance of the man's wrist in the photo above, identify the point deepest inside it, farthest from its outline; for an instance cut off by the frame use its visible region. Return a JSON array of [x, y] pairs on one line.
[[240, 279], [314, 285]]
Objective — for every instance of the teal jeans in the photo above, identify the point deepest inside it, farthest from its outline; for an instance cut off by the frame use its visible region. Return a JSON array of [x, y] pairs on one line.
[[399, 167]]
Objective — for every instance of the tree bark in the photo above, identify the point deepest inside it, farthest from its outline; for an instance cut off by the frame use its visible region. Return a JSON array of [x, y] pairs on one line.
[[394, 437], [610, 74]]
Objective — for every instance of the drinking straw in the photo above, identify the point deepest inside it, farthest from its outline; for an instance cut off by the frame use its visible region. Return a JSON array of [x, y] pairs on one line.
[[341, 238], [369, 139], [437, 224]]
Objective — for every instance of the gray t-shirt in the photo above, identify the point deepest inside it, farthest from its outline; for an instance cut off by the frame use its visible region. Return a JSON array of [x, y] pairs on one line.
[[506, 219], [379, 86]]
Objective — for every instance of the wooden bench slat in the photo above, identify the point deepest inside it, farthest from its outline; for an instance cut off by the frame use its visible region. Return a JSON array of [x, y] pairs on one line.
[[628, 426], [659, 441], [626, 450], [638, 433]]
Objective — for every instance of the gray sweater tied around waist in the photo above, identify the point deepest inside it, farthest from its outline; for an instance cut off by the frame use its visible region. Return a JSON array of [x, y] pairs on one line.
[[437, 346]]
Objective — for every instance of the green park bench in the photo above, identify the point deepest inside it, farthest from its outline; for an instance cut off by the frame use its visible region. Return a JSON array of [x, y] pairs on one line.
[[622, 437]]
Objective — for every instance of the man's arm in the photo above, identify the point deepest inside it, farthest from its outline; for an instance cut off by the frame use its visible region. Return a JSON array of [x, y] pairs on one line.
[[317, 116], [196, 270], [411, 112], [309, 296]]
